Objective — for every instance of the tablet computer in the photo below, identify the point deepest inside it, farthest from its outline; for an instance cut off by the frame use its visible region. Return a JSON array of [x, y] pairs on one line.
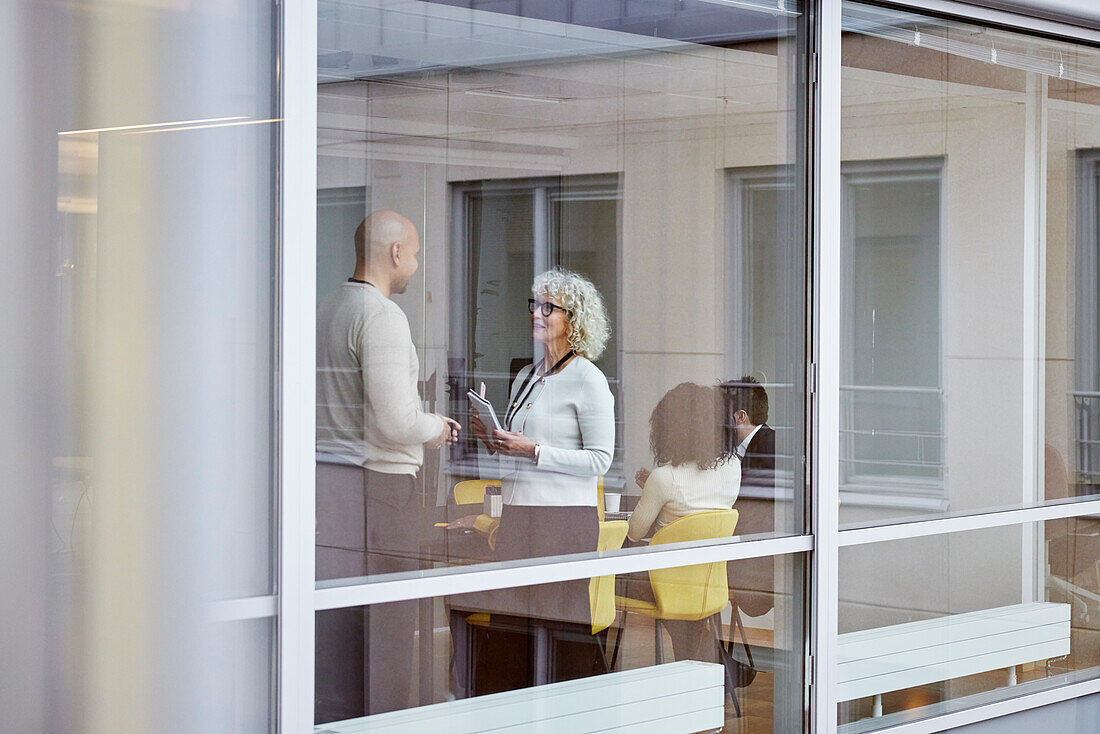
[[485, 410]]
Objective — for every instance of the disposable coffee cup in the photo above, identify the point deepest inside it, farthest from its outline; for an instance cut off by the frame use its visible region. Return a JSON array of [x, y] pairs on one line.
[[494, 502], [611, 502]]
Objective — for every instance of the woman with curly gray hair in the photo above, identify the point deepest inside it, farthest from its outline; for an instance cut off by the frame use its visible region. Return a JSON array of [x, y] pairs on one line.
[[558, 439]]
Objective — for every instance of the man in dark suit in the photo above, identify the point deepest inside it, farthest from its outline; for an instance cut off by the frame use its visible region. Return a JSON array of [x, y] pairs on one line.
[[752, 440]]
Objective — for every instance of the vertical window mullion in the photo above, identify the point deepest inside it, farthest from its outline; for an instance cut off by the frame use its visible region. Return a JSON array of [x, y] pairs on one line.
[[296, 338], [825, 238]]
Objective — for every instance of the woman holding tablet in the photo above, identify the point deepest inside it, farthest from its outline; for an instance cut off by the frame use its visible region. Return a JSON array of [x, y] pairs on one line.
[[558, 437]]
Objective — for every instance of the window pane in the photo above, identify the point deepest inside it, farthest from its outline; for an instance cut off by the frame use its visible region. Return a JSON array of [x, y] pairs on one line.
[[978, 616], [468, 658], [660, 163], [969, 346]]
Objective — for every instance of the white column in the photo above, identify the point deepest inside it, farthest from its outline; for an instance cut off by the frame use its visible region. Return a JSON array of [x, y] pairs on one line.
[[1033, 287], [298, 244]]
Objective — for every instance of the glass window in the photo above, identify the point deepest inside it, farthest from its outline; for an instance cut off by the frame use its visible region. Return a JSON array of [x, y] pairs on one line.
[[968, 380], [979, 616], [497, 147], [613, 668], [525, 217]]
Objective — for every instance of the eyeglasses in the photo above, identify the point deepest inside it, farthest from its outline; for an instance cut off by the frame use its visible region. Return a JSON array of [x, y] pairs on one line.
[[545, 307]]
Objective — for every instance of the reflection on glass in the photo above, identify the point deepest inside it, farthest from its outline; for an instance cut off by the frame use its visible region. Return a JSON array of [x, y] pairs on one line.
[[156, 393], [968, 373], [672, 646], [581, 164], [982, 615], [517, 146]]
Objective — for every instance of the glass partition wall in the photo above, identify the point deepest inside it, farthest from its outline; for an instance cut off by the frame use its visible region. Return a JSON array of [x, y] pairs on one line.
[[593, 219]]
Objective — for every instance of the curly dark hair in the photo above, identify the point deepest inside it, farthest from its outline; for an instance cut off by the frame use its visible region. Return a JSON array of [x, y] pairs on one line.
[[687, 426]]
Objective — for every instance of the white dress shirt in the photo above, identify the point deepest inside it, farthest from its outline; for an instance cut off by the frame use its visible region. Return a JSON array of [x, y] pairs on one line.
[[743, 447]]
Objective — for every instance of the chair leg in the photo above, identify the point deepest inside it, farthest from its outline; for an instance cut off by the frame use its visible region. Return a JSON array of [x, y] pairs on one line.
[[601, 644], [658, 642], [618, 639], [726, 660], [735, 616]]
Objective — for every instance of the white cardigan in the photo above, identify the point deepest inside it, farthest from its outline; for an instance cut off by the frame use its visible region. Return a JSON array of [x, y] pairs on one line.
[[571, 415]]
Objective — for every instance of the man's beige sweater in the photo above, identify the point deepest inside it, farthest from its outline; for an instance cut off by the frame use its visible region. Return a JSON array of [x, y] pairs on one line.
[[368, 409]]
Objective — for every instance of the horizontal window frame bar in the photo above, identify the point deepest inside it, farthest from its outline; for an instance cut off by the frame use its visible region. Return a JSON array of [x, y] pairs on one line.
[[461, 582], [964, 523], [242, 609], [1017, 19], [985, 712]]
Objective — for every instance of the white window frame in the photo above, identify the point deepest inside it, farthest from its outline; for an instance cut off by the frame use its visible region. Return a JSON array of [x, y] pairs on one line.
[[297, 598], [898, 490], [1087, 306]]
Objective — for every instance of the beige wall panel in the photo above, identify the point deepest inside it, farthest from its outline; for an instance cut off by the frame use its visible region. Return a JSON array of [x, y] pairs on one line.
[[334, 171], [943, 574], [982, 419], [890, 136], [985, 569], [984, 269], [1060, 231], [1060, 416], [671, 257], [749, 145]]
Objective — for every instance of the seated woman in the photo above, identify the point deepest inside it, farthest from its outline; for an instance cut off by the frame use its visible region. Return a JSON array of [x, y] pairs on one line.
[[694, 469], [559, 438]]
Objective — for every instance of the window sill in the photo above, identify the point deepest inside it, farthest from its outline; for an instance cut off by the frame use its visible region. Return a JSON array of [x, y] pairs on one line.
[[863, 498]]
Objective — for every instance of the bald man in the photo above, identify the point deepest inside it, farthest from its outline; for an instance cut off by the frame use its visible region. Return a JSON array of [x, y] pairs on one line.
[[371, 434]]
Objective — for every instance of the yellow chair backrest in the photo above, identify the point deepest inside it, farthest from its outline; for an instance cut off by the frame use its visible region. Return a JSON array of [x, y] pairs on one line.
[[599, 498], [693, 592], [472, 491], [601, 589]]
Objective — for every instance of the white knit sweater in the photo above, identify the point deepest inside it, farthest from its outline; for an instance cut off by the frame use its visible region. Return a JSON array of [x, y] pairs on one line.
[[368, 409], [571, 415]]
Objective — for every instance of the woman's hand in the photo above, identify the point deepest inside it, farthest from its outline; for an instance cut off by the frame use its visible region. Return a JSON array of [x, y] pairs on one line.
[[480, 430], [514, 443], [641, 476]]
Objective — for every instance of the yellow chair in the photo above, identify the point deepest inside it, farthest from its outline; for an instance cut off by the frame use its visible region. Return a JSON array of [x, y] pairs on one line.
[[689, 593], [599, 500], [601, 589], [472, 491]]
